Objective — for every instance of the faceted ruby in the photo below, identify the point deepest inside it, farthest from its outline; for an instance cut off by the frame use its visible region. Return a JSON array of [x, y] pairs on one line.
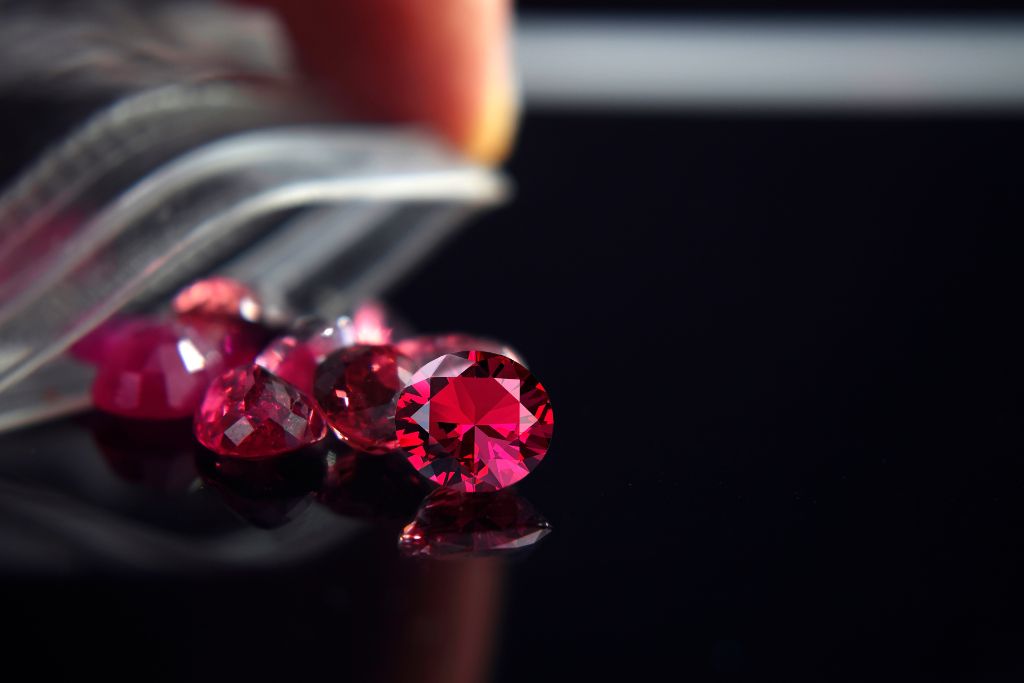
[[474, 421], [249, 413], [453, 523], [158, 370], [357, 387], [428, 347], [293, 357], [218, 296]]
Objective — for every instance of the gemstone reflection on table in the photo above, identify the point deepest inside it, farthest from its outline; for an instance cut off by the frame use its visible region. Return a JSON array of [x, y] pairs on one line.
[[370, 487], [266, 493], [453, 524]]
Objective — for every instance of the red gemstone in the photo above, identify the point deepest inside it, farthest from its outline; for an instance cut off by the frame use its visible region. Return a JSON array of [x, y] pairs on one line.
[[357, 387], [474, 421], [249, 413], [452, 523], [92, 348], [158, 370], [218, 296], [294, 356], [428, 347]]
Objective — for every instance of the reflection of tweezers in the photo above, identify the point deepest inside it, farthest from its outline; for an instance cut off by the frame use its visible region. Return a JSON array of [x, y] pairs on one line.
[[313, 216]]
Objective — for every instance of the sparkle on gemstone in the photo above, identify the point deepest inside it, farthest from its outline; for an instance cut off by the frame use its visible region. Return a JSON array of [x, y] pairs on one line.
[[474, 421], [453, 523], [249, 413]]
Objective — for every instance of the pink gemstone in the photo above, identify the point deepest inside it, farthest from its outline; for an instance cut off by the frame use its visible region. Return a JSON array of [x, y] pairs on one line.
[[452, 523], [218, 296], [249, 413], [474, 421], [92, 348], [428, 347], [294, 356], [158, 370], [357, 387]]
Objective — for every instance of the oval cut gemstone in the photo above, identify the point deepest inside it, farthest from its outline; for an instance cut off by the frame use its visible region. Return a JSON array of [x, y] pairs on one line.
[[452, 524], [249, 413], [356, 388], [218, 296], [158, 370], [474, 421]]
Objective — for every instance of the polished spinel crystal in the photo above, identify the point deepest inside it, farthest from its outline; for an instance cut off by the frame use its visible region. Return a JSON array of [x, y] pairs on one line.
[[474, 421], [356, 388], [249, 413], [453, 523]]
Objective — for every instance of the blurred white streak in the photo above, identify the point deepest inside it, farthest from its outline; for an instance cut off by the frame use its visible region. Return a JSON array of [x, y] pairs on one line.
[[834, 64]]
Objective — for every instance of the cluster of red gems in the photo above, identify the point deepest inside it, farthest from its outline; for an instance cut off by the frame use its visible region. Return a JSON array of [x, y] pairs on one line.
[[465, 411]]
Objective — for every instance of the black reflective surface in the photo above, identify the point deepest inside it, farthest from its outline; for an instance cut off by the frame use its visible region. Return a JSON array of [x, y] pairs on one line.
[[784, 358]]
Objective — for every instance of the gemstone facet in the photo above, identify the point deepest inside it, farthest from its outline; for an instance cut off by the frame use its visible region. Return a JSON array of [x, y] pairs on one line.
[[452, 523], [293, 357], [356, 388], [474, 421], [218, 296], [249, 413], [158, 370]]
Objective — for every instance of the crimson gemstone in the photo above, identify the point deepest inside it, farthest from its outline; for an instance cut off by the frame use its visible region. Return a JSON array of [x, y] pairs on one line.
[[452, 523], [249, 413], [474, 421], [218, 296], [357, 387], [429, 347], [294, 356], [158, 370], [92, 348]]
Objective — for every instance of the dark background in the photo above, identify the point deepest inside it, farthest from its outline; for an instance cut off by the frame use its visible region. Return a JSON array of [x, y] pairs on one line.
[[784, 358]]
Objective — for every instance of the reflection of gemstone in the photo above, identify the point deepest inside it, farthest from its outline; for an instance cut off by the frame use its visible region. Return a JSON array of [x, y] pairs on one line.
[[218, 296], [455, 523], [357, 387], [267, 493], [429, 347], [380, 487], [158, 370], [474, 421], [249, 413], [156, 455]]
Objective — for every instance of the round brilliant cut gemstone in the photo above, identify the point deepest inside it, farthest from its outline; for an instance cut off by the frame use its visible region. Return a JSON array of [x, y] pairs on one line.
[[474, 421], [357, 387], [249, 413]]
